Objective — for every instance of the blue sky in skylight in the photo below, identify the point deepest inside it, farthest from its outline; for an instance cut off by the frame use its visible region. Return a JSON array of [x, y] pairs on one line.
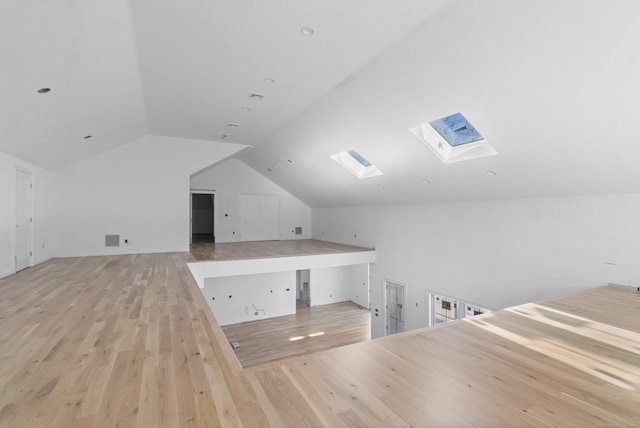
[[456, 130], [357, 156]]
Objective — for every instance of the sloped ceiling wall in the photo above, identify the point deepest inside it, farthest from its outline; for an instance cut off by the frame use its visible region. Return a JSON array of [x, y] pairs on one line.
[[551, 85]]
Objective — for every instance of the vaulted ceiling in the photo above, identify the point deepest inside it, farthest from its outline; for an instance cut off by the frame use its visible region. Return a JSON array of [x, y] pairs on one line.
[[551, 85]]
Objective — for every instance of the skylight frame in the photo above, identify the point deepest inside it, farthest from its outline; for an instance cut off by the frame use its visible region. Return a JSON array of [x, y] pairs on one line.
[[356, 164], [446, 152]]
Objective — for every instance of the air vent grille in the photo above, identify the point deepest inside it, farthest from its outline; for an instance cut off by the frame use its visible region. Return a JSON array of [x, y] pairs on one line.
[[111, 240]]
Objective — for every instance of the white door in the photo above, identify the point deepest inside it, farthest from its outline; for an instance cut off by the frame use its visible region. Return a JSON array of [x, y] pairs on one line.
[[249, 218], [270, 218], [394, 307], [23, 220]]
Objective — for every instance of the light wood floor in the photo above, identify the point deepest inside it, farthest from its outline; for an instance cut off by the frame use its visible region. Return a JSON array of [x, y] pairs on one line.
[[312, 330], [267, 249], [129, 341]]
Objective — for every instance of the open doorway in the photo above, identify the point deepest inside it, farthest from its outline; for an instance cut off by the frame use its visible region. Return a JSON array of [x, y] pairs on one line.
[[303, 286], [202, 217]]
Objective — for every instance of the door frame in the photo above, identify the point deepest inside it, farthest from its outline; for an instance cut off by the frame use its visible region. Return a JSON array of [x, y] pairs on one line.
[[30, 198], [215, 223], [385, 286]]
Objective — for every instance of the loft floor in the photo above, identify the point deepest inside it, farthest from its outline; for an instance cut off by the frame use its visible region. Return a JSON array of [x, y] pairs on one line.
[[129, 341], [201, 251], [268, 341]]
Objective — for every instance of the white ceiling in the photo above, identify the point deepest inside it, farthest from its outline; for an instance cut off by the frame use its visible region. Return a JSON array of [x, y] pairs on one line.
[[552, 85]]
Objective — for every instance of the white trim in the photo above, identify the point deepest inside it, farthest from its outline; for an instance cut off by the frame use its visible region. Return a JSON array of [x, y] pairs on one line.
[[64, 255], [212, 269], [17, 168]]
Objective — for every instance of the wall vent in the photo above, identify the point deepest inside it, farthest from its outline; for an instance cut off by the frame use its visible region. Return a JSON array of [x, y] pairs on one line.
[[298, 231], [111, 240]]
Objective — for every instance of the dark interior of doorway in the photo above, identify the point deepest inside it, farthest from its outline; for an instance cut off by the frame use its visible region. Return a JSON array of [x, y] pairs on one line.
[[202, 218]]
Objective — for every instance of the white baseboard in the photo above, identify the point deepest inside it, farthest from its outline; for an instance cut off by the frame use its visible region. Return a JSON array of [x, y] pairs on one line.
[[123, 253]]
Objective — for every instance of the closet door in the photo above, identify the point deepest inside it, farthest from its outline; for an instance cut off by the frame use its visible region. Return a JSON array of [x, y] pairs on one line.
[[259, 218], [270, 218]]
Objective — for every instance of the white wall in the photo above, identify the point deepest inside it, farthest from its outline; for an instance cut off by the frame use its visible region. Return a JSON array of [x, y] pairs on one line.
[[42, 213], [360, 285], [329, 285], [233, 178], [273, 293], [340, 284], [139, 190], [492, 253]]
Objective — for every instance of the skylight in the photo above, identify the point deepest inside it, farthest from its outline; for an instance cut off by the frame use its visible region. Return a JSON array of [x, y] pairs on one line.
[[457, 130], [453, 139], [356, 164]]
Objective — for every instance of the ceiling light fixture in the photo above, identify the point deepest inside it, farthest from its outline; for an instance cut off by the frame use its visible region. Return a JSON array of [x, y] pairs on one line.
[[307, 31], [44, 90], [425, 181], [492, 173], [256, 97], [225, 136], [381, 187], [86, 137], [269, 80], [246, 109], [233, 125]]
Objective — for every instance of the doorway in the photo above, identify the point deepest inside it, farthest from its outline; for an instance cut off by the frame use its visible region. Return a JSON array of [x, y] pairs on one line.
[[303, 285], [394, 306], [202, 218], [24, 220]]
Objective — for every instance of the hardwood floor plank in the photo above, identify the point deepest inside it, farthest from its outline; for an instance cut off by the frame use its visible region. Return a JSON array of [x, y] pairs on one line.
[[130, 341], [318, 328]]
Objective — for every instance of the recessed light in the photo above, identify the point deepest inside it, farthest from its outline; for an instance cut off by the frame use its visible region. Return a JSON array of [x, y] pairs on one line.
[[381, 187], [233, 125], [86, 137], [269, 80], [256, 97], [246, 109], [491, 173], [425, 181], [44, 90], [307, 31]]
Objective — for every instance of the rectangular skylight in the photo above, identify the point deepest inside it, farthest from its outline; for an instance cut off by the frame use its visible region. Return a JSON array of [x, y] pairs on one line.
[[453, 139], [456, 130], [356, 164]]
